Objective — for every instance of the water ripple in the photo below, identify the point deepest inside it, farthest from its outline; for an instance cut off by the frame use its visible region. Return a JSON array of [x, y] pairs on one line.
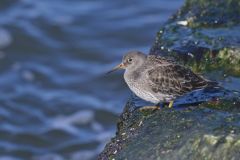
[[55, 100]]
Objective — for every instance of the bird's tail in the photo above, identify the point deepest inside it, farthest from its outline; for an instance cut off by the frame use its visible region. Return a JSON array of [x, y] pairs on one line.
[[212, 84]]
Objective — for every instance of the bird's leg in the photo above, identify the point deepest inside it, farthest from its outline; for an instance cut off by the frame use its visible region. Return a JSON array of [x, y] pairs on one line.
[[149, 108], [156, 107], [170, 104]]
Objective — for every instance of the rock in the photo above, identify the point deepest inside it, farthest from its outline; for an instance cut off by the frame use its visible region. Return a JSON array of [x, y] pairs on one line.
[[204, 35], [208, 131]]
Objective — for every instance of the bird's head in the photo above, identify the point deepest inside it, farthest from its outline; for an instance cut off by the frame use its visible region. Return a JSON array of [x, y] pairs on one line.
[[131, 61]]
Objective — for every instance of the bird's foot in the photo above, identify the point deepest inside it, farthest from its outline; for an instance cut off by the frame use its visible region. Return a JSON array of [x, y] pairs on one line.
[[152, 108], [170, 105], [157, 107]]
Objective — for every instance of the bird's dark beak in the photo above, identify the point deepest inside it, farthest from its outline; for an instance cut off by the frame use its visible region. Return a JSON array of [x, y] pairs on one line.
[[120, 66]]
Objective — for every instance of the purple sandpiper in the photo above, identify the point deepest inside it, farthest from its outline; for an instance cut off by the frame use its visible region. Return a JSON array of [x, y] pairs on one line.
[[157, 79]]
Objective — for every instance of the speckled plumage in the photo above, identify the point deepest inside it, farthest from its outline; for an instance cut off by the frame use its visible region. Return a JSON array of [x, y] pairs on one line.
[[157, 79]]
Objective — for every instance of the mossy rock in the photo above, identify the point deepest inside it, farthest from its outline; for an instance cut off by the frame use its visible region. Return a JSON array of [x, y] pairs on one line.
[[203, 35], [207, 131]]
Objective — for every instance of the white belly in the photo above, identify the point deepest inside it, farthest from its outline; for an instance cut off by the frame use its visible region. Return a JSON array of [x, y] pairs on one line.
[[144, 92], [145, 95]]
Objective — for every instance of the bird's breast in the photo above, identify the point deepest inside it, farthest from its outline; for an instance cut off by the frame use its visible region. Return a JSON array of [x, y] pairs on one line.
[[139, 86]]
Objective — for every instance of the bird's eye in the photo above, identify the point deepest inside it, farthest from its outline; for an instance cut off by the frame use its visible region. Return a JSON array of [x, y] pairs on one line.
[[130, 60]]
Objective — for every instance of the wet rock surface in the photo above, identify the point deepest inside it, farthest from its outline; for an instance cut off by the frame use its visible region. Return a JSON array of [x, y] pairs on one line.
[[203, 35]]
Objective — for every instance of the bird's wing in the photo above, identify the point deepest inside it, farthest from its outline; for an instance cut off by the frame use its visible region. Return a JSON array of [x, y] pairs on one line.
[[160, 60], [174, 80]]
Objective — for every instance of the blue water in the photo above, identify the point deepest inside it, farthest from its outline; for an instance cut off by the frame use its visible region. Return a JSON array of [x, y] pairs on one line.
[[55, 100]]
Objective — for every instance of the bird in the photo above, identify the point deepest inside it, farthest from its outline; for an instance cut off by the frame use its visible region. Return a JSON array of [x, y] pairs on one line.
[[157, 79]]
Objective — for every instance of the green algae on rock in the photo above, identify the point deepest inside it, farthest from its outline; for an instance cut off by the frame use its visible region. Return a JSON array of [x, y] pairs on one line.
[[190, 133], [199, 34], [210, 13]]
